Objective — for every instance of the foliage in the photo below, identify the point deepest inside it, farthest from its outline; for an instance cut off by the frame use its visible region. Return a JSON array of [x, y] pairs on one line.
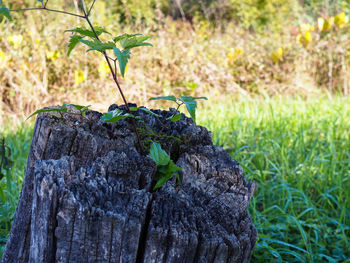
[[115, 115], [165, 166], [127, 41], [64, 108], [189, 101]]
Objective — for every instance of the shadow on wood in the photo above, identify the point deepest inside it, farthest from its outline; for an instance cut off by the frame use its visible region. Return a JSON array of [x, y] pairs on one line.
[[87, 196]]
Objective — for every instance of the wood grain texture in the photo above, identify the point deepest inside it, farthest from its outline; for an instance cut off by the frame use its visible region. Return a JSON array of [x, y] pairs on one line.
[[87, 196]]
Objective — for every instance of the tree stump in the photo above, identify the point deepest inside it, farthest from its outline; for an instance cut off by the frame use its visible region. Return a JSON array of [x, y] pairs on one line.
[[87, 196]]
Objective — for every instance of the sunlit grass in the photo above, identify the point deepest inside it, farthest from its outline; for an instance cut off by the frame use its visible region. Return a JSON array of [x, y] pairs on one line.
[[298, 151], [10, 186]]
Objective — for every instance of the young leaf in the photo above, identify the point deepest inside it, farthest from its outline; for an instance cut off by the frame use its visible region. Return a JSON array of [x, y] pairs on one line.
[[130, 41], [80, 108], [169, 169], [62, 109], [87, 32], [134, 41], [191, 105], [123, 36], [72, 43], [133, 108], [166, 173], [5, 12], [175, 117], [172, 98], [158, 155], [161, 181], [194, 98], [115, 115], [149, 112], [96, 45], [122, 57]]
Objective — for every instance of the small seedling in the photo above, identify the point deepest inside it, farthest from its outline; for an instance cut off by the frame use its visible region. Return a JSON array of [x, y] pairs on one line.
[[121, 47], [166, 168]]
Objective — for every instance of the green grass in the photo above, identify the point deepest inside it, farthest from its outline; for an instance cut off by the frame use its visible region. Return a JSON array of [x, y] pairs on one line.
[[297, 151], [10, 185]]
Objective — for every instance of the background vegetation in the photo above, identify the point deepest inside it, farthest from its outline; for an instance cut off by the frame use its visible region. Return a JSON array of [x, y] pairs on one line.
[[277, 76]]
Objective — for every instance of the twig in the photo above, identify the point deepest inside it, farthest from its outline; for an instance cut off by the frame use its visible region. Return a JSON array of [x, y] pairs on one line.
[[47, 9], [114, 73], [92, 5]]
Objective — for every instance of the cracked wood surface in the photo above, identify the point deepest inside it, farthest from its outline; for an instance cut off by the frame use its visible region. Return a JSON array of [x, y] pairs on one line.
[[87, 197]]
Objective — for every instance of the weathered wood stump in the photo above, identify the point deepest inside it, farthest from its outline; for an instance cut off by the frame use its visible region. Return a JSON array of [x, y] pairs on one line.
[[87, 196]]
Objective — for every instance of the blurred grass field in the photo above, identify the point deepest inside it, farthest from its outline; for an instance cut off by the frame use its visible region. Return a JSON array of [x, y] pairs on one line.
[[276, 73], [297, 150], [251, 47]]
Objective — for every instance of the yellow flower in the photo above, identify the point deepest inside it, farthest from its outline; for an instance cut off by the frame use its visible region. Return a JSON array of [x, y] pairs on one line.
[[15, 40], [53, 55], [78, 77], [37, 41], [2, 59], [305, 39], [103, 69], [325, 24], [234, 53], [277, 55], [341, 19], [306, 27], [2, 55]]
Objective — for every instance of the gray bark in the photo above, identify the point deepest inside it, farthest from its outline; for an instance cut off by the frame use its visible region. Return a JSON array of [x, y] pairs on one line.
[[87, 197]]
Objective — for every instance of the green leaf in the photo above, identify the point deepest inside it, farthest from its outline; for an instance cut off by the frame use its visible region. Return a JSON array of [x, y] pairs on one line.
[[162, 181], [115, 115], [170, 168], [0, 2], [41, 1], [72, 43], [130, 41], [87, 32], [133, 108], [172, 98], [175, 117], [166, 173], [149, 112], [158, 155], [96, 45], [80, 108], [122, 57], [5, 12], [62, 109], [191, 105], [123, 36], [194, 98], [135, 41]]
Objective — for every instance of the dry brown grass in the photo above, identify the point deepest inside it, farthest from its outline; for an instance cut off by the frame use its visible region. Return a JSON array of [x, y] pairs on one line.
[[187, 59]]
